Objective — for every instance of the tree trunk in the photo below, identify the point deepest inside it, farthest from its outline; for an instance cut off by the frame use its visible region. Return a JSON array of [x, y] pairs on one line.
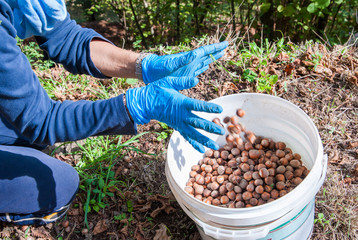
[[267, 22], [323, 21], [196, 18], [138, 25], [249, 6], [207, 7], [335, 17], [177, 37], [233, 15]]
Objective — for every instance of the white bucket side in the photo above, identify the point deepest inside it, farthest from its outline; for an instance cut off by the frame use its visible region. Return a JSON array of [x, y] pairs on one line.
[[297, 228], [297, 130]]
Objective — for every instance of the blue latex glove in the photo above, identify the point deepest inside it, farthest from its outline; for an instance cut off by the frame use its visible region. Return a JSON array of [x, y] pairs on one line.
[[162, 101], [185, 64]]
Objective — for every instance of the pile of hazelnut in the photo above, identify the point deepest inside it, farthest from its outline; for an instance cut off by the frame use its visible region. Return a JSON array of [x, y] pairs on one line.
[[247, 171]]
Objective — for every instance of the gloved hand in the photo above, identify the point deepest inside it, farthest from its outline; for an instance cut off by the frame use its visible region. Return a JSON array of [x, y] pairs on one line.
[[185, 64], [162, 101]]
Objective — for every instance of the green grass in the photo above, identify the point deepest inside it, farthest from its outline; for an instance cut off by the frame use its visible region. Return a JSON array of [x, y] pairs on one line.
[[98, 157]]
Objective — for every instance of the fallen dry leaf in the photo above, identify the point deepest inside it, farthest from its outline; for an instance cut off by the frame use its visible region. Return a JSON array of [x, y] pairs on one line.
[[255, 61], [227, 86], [323, 70], [74, 212], [100, 227], [307, 63], [272, 70], [302, 70], [124, 229], [289, 68], [353, 79], [56, 72], [59, 96], [297, 61], [5, 232], [283, 57], [40, 232], [347, 180], [161, 233], [334, 157], [165, 205], [139, 234], [355, 171], [337, 69], [353, 145]]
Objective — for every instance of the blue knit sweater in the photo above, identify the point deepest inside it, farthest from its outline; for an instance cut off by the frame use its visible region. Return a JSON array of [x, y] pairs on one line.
[[26, 107]]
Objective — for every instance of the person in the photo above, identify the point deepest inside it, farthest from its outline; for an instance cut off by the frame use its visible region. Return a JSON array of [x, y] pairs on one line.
[[38, 189]]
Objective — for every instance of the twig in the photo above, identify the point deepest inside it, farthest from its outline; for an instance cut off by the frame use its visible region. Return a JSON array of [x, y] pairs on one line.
[[325, 90], [69, 235], [325, 41], [340, 105]]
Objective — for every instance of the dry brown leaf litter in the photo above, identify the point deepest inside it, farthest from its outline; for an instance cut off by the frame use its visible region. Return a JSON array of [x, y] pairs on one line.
[[327, 91]]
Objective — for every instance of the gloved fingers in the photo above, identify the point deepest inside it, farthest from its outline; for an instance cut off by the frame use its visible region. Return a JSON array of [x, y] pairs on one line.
[[201, 70], [199, 147], [206, 61], [209, 59], [197, 140], [211, 49], [202, 106], [176, 61], [186, 58], [204, 124], [180, 83]]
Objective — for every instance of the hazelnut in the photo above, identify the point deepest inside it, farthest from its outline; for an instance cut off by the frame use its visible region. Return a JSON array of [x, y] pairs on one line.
[[240, 112], [295, 163], [259, 189], [246, 196], [254, 154]]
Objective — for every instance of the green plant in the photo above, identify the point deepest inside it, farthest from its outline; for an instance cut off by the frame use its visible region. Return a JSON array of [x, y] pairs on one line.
[[165, 133], [249, 75], [97, 178], [258, 57], [321, 220], [120, 217], [123, 216], [264, 81], [34, 55]]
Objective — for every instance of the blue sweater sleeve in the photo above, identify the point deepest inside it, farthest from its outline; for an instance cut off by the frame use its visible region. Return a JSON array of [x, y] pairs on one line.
[[68, 44], [26, 105]]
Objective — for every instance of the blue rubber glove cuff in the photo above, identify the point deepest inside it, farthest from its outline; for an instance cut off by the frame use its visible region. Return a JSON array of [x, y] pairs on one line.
[[136, 110]]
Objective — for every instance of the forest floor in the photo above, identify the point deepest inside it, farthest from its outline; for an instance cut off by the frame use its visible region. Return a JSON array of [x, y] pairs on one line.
[[327, 92]]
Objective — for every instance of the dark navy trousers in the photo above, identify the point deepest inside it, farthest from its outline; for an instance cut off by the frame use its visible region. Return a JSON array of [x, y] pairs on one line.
[[32, 183]]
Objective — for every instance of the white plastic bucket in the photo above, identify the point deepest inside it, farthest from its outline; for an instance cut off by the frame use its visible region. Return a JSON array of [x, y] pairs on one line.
[[289, 217]]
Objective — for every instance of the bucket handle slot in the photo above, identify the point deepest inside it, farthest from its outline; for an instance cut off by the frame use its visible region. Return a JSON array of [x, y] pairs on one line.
[[218, 233]]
